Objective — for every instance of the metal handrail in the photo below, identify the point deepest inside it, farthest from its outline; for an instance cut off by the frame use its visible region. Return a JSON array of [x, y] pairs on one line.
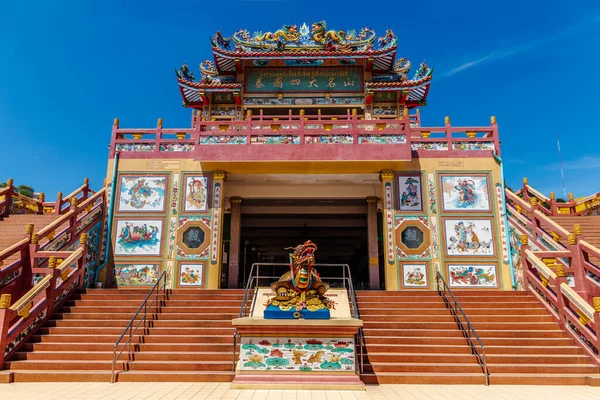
[[346, 279], [469, 331], [145, 306]]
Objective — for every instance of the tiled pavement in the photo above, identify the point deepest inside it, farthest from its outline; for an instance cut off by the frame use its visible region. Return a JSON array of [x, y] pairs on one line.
[[181, 391]]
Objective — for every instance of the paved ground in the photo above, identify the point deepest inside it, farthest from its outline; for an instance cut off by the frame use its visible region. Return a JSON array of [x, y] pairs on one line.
[[105, 391]]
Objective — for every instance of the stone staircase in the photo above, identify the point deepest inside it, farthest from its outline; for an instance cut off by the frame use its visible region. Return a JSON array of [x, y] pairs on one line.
[[412, 338], [590, 226], [191, 339], [12, 228]]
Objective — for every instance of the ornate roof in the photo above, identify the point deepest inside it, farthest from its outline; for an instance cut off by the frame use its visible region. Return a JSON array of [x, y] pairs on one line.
[[304, 43]]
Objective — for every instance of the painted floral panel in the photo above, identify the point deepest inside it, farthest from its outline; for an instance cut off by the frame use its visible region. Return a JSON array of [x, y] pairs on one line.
[[138, 237], [142, 193], [136, 274], [478, 275], [196, 194], [465, 193], [469, 237], [297, 354], [191, 274], [410, 193]]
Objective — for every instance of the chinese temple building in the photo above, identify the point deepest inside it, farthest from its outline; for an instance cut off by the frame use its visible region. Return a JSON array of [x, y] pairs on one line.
[[302, 133], [314, 136]]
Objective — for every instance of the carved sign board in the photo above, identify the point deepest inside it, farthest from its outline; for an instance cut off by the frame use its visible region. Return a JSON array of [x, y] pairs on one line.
[[339, 296], [162, 165]]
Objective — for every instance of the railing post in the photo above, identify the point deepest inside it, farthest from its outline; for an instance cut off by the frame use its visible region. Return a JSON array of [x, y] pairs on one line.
[[59, 203], [553, 204], [524, 262], [560, 278], [86, 188], [596, 322], [448, 132], [27, 260], [41, 200], [576, 261], [5, 315], [83, 239]]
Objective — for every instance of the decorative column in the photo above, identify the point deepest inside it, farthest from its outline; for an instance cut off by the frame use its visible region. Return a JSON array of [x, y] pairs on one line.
[[234, 243], [216, 240], [372, 242], [391, 276]]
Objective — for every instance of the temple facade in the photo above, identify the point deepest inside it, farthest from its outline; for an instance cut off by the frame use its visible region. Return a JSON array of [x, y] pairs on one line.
[[307, 133]]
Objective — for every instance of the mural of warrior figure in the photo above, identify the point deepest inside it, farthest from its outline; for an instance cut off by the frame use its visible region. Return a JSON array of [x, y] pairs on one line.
[[466, 189]]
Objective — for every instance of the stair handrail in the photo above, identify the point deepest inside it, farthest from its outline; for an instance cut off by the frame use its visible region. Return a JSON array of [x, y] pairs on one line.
[[443, 290], [161, 284], [346, 279]]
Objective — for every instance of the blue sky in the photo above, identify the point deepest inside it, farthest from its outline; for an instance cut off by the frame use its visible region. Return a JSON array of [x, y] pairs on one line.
[[69, 67]]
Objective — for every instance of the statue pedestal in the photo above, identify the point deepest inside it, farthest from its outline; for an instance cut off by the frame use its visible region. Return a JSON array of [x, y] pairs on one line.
[[300, 354]]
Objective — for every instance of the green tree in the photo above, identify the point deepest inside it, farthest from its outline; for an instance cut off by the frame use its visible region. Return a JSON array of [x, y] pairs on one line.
[[21, 189]]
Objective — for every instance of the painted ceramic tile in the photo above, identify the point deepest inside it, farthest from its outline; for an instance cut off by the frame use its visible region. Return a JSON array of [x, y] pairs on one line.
[[297, 355], [409, 193], [465, 193], [196, 194], [472, 275], [138, 237], [469, 237], [191, 274], [136, 274], [142, 193], [414, 275]]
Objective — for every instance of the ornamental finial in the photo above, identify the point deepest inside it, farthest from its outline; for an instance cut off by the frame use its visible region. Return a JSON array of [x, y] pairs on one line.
[[524, 240], [493, 119], [447, 120], [29, 229], [5, 301], [572, 238], [571, 198], [525, 181], [552, 196], [116, 122], [83, 239], [596, 301], [9, 182], [577, 229], [560, 270], [159, 122]]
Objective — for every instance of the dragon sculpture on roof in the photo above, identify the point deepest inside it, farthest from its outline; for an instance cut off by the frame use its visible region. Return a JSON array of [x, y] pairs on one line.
[[290, 37]]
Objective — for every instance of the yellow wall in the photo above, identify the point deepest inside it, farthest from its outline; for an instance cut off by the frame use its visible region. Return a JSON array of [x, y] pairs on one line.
[[176, 167]]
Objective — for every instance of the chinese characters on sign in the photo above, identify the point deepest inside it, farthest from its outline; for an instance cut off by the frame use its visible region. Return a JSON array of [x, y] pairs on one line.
[[303, 80]]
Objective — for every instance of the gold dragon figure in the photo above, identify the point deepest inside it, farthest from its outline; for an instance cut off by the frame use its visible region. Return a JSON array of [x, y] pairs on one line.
[[289, 33], [402, 68], [320, 35], [301, 287]]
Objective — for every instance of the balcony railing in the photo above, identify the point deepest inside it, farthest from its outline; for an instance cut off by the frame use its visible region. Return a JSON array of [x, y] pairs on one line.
[[305, 138]]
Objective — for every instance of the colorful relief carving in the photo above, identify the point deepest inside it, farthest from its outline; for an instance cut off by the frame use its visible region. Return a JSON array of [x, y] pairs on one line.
[[23, 334], [410, 194], [431, 193], [297, 354], [216, 224], [138, 237], [389, 221], [172, 234], [222, 139], [140, 147], [502, 225], [191, 275], [433, 229], [136, 274], [473, 146], [465, 193], [429, 146], [91, 259], [142, 193], [196, 194], [279, 139], [469, 237], [330, 139], [175, 194], [382, 139], [177, 147], [478, 275], [414, 276], [11, 277]]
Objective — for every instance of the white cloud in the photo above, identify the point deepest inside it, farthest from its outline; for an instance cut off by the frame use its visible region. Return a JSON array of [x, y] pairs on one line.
[[522, 48]]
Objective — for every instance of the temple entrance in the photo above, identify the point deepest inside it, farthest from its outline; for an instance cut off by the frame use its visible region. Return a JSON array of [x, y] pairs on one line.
[[337, 227]]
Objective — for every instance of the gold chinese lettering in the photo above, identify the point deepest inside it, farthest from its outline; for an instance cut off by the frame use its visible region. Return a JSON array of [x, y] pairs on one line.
[[313, 83], [278, 82], [331, 82], [259, 83], [348, 82], [295, 82]]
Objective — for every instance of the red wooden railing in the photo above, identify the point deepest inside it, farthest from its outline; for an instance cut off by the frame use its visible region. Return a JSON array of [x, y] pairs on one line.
[[312, 131], [13, 202], [576, 305], [551, 206], [19, 320]]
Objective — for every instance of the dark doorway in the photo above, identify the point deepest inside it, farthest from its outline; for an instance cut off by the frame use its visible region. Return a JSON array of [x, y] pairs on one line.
[[337, 227]]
